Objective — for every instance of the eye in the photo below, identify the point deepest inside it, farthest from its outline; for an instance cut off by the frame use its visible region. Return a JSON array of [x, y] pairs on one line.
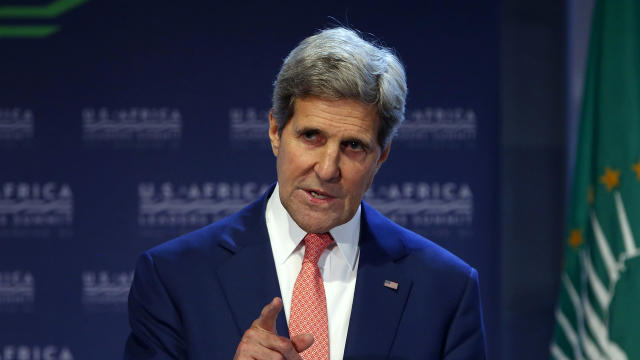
[[309, 135], [354, 145]]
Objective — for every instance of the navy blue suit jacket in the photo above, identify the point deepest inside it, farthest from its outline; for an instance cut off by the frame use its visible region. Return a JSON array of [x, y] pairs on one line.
[[193, 297]]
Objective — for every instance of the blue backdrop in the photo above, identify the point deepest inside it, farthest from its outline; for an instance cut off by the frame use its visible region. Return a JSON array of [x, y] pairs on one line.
[[126, 123]]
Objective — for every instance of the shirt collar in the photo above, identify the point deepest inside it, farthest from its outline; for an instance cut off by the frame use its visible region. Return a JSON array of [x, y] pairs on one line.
[[287, 235]]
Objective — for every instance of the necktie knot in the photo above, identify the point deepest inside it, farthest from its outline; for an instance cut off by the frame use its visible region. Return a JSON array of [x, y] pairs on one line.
[[315, 245]]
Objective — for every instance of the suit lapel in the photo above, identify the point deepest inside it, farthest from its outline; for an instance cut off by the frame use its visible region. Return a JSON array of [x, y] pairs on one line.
[[248, 278], [377, 309], [250, 282]]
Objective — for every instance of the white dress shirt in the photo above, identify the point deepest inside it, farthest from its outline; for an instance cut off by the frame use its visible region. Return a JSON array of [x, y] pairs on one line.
[[338, 265]]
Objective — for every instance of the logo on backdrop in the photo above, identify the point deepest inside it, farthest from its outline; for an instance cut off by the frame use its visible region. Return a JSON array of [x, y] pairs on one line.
[[438, 127], [135, 127], [248, 125], [35, 352], [17, 291], [16, 126], [24, 21], [174, 208], [105, 290], [35, 209], [420, 205]]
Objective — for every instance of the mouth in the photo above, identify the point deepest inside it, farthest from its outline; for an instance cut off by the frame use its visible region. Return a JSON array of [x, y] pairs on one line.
[[319, 195]]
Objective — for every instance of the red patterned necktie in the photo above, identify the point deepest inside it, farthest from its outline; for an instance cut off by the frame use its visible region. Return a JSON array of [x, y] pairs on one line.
[[308, 303]]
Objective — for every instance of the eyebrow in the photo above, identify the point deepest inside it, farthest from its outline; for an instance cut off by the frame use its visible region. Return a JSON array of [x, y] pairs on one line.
[[300, 131]]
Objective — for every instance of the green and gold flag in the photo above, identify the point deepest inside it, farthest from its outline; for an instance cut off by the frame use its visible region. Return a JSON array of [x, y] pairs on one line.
[[598, 310]]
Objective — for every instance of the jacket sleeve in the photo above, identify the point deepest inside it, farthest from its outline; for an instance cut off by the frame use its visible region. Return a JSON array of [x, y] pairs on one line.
[[156, 331], [465, 338]]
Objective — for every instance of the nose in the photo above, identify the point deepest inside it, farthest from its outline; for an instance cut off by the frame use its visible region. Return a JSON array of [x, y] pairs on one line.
[[327, 167]]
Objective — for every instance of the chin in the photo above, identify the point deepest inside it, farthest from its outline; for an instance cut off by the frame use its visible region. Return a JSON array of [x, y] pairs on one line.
[[317, 227]]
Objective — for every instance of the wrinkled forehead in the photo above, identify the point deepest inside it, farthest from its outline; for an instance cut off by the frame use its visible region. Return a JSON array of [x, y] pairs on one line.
[[337, 110]]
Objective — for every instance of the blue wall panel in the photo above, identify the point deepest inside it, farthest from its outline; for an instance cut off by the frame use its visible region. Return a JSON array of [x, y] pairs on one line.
[[138, 121]]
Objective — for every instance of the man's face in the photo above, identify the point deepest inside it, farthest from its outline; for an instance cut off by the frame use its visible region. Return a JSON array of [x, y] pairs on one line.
[[327, 155]]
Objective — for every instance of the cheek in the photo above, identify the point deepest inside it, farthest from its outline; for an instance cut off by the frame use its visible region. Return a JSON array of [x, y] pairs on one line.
[[290, 165], [359, 182], [368, 178], [282, 168]]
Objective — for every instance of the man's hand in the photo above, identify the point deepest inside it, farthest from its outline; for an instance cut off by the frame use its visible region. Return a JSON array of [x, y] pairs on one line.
[[261, 341]]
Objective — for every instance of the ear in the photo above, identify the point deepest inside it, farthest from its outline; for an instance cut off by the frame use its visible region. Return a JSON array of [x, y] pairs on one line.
[[385, 154], [274, 134]]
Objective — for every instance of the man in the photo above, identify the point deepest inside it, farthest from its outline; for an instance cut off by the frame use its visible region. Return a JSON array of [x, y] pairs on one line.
[[352, 284]]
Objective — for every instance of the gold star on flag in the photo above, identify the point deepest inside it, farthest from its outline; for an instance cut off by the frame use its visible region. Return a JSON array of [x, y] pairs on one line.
[[636, 168], [575, 239], [611, 178]]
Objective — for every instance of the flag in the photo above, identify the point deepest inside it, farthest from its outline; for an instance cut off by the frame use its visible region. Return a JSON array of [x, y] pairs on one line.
[[598, 310]]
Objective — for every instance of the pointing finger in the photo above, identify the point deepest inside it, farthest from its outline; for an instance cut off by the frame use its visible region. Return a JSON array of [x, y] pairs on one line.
[[267, 319]]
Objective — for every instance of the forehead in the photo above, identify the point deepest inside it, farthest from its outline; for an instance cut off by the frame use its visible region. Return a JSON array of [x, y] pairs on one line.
[[342, 115]]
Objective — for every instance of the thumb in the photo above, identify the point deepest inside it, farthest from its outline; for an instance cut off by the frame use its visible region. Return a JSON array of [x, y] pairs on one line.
[[267, 319], [302, 342]]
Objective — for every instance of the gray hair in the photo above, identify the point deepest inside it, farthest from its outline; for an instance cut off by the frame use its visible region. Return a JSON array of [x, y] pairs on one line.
[[336, 64]]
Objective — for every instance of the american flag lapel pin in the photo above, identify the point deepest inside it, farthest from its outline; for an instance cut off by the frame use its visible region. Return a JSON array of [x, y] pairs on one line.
[[391, 284]]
